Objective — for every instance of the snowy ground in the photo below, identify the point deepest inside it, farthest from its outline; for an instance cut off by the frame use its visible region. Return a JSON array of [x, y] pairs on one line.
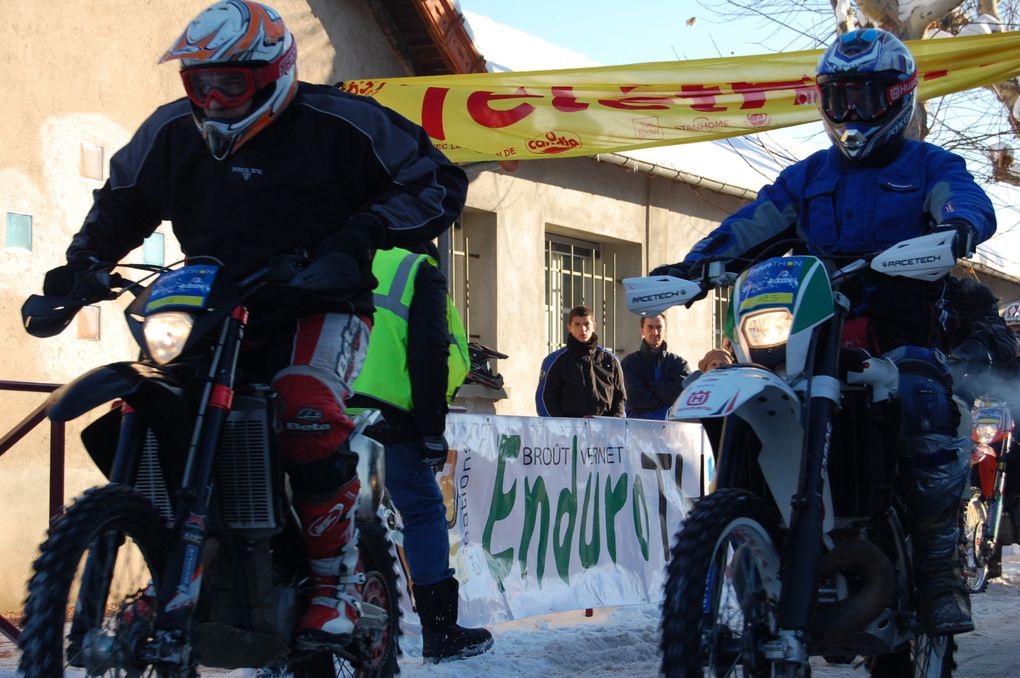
[[622, 641]]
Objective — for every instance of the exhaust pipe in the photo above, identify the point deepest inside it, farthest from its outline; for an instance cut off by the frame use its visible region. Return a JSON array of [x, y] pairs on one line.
[[867, 561]]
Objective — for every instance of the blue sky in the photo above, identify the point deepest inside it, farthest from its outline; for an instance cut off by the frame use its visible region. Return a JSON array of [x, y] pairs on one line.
[[636, 31]]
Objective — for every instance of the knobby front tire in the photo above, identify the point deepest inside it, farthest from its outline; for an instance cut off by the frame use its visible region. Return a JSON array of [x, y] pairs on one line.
[[72, 597], [722, 587]]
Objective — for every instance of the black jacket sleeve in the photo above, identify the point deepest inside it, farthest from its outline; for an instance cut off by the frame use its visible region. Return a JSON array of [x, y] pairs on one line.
[[428, 347], [671, 380], [641, 393], [619, 404], [550, 385]]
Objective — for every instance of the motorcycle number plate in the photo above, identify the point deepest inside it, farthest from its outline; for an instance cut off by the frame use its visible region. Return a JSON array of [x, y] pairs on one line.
[[186, 288]]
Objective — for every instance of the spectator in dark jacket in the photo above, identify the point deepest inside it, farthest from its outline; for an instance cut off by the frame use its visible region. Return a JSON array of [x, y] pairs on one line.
[[654, 377], [582, 379]]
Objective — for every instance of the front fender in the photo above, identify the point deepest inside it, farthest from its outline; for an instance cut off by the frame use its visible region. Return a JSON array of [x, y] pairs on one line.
[[773, 411], [723, 392], [141, 385]]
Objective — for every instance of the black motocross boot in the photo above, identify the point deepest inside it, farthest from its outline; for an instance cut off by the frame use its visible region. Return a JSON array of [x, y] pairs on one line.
[[442, 639], [932, 475]]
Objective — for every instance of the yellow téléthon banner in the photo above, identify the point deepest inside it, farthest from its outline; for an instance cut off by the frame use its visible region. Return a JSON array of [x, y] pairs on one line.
[[578, 112]]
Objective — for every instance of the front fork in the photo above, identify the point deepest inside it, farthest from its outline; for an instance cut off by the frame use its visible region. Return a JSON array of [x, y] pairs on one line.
[[803, 549]]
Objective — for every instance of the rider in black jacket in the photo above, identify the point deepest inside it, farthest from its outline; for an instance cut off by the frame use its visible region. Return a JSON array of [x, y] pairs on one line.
[[251, 167]]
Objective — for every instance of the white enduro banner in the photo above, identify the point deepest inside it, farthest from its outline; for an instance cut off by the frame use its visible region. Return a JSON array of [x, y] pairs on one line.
[[556, 514]]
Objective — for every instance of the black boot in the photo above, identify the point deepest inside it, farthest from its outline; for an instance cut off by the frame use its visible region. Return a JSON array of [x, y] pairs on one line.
[[933, 473], [442, 639]]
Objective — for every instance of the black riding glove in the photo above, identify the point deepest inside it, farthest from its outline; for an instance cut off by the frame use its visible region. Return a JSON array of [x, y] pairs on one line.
[[61, 280], [965, 241], [434, 450], [76, 280], [687, 270]]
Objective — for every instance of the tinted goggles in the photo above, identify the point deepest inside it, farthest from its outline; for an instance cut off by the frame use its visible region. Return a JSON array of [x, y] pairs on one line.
[[869, 99], [233, 85]]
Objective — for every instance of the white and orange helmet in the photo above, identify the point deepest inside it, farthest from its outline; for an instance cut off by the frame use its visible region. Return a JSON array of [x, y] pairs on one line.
[[235, 51]]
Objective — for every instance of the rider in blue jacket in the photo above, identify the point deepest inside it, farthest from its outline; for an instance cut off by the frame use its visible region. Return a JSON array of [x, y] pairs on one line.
[[871, 189]]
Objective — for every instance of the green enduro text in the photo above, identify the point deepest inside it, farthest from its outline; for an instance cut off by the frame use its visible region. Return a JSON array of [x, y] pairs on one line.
[[537, 506]]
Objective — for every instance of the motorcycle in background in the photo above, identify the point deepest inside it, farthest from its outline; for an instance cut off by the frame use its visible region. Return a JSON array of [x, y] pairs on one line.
[[192, 554], [801, 548], [982, 532]]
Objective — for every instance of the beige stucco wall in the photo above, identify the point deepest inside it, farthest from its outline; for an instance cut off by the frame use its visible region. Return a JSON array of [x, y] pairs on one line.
[[85, 72]]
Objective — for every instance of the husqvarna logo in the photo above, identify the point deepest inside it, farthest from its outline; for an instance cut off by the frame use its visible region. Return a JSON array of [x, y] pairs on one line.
[[658, 296], [912, 261], [698, 398]]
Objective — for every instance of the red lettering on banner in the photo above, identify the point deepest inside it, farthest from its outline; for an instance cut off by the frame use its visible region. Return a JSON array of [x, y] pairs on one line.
[[702, 96], [754, 92], [480, 111], [935, 75], [659, 103], [565, 101], [432, 111]]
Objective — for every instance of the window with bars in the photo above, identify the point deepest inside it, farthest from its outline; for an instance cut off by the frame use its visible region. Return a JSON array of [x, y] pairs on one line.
[[579, 273]]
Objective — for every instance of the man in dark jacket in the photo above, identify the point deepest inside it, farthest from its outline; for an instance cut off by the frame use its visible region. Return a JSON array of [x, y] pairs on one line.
[[253, 166], [582, 379], [654, 377], [417, 359]]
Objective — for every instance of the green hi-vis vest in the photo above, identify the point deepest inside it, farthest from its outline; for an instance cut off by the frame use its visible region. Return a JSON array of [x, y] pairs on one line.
[[384, 376]]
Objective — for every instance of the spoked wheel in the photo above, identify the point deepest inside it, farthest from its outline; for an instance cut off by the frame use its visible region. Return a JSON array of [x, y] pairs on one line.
[[90, 600], [925, 657], [374, 655], [721, 589], [975, 562]]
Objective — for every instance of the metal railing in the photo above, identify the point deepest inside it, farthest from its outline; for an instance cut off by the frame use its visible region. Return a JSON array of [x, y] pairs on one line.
[[57, 441]]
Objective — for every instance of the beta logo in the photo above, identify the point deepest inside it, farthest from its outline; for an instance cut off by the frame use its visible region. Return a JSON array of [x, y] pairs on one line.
[[554, 141]]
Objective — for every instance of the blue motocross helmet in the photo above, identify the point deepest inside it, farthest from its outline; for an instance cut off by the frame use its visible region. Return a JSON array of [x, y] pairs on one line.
[[867, 84]]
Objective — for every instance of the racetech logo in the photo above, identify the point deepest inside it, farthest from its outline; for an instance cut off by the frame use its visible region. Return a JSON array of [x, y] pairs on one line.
[[554, 141]]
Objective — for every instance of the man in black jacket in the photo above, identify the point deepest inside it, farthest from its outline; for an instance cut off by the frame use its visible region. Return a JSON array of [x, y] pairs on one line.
[[582, 379], [654, 377], [253, 166]]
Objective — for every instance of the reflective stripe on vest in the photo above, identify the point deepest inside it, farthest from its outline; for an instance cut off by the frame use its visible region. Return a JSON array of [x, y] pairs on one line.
[[384, 375]]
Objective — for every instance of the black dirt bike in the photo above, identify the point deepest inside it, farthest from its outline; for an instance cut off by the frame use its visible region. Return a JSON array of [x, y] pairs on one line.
[[192, 555], [801, 548]]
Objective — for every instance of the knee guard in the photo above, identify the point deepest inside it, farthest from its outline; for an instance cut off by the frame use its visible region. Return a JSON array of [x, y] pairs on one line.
[[925, 393], [312, 423]]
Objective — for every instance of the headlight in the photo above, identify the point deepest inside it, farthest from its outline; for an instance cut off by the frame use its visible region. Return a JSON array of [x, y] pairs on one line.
[[166, 333], [985, 433], [766, 329]]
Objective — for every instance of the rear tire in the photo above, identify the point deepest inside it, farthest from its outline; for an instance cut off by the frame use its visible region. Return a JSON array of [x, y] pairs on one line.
[[722, 588], [374, 657], [104, 611], [975, 566], [925, 657]]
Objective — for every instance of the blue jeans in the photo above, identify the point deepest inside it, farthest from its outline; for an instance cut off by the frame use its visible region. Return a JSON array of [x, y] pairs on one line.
[[416, 495]]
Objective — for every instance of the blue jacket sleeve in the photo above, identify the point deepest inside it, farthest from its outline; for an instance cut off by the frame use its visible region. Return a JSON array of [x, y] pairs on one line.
[[547, 393], [955, 195], [771, 217]]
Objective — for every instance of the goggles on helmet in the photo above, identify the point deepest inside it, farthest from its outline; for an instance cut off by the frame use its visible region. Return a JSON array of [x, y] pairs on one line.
[[233, 85], [869, 99]]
